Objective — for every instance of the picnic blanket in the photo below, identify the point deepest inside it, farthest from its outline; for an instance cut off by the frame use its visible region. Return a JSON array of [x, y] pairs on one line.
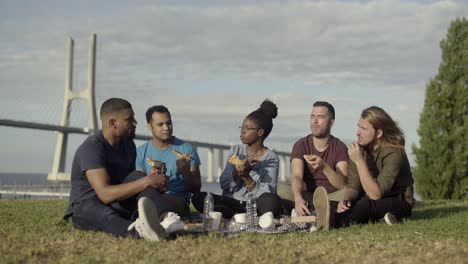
[[281, 229], [232, 228]]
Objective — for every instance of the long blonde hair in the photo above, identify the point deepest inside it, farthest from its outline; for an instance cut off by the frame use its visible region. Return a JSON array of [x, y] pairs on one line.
[[379, 119]]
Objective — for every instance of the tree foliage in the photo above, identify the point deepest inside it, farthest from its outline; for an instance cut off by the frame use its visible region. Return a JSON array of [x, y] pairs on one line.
[[441, 170]]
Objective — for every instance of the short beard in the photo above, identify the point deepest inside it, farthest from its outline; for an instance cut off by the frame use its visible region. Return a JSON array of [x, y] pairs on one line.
[[325, 134], [320, 135]]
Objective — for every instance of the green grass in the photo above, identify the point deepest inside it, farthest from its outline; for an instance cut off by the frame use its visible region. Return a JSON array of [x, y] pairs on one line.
[[31, 231]]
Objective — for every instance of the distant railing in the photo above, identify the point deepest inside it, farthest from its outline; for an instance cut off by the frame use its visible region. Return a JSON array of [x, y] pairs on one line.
[[210, 147]]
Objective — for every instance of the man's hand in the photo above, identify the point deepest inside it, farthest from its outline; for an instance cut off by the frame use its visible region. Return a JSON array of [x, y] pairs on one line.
[[301, 207], [315, 161], [355, 152], [157, 180], [244, 169], [183, 166], [343, 205]]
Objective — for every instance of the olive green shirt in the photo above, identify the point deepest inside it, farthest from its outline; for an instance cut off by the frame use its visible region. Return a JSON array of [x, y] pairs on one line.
[[391, 169]]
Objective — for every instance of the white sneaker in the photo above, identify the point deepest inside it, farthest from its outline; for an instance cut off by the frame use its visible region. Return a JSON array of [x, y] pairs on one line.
[[390, 219], [172, 223], [294, 213], [313, 228], [147, 224]]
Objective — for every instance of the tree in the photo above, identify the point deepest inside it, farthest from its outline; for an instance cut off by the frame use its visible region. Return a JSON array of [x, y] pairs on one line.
[[441, 170]]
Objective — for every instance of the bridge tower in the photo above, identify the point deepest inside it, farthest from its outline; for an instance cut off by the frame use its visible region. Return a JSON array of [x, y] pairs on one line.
[[58, 166]]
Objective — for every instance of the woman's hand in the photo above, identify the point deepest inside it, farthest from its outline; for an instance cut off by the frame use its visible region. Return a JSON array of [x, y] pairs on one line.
[[244, 169]]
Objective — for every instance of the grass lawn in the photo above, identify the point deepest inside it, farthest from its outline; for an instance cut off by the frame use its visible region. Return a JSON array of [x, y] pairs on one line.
[[31, 231]]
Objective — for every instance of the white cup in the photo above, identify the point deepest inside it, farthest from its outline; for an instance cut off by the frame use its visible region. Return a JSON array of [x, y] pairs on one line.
[[240, 218], [216, 220], [266, 220]]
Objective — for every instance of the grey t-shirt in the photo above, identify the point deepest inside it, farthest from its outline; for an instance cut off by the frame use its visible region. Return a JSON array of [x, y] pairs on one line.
[[96, 153]]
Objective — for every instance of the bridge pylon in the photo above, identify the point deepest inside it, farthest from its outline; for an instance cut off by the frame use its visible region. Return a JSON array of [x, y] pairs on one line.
[[57, 172]]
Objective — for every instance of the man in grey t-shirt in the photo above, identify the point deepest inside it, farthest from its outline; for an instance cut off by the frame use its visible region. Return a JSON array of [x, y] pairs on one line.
[[104, 193]]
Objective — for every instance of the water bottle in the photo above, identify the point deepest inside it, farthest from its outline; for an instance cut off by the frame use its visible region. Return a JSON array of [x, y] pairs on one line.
[[251, 209], [208, 205]]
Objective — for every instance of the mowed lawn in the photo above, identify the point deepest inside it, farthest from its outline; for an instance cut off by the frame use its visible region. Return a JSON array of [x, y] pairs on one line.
[[31, 231]]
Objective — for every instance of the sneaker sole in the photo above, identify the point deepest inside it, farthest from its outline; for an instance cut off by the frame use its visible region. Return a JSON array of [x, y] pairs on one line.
[[390, 219], [322, 207], [147, 211]]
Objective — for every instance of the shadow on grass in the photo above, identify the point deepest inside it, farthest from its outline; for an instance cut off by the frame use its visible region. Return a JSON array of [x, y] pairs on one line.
[[430, 211]]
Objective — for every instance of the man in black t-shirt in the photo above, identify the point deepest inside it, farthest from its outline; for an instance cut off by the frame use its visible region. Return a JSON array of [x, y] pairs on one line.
[[105, 192]]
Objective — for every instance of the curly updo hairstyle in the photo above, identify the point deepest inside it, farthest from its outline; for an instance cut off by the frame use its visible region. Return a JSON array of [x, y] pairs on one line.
[[264, 116]]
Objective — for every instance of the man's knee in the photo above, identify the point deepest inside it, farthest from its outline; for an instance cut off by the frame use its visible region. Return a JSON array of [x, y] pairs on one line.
[[364, 201], [284, 191], [166, 203], [269, 202], [151, 193], [134, 175], [308, 196], [197, 200]]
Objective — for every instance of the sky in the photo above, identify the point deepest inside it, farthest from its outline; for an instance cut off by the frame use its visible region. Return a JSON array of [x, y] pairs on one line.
[[213, 62]]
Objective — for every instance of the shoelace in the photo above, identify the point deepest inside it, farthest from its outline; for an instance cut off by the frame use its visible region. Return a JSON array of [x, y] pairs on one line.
[[133, 225], [138, 224], [172, 216]]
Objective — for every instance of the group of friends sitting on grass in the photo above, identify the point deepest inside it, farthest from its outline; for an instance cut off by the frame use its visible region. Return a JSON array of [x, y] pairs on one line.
[[143, 192]]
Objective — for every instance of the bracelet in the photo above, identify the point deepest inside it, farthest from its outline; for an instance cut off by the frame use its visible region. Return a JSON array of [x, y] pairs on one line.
[[253, 182]]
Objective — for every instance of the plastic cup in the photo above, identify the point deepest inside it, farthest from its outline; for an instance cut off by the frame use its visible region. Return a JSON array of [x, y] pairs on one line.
[[240, 218], [266, 220], [216, 220]]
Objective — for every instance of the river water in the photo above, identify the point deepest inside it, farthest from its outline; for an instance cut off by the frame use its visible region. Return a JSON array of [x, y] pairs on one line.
[[38, 182]]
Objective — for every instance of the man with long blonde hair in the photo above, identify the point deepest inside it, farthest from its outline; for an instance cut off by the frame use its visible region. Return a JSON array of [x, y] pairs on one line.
[[380, 182]]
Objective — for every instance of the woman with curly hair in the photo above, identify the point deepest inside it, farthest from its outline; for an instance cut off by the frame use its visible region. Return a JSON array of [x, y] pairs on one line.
[[256, 171]]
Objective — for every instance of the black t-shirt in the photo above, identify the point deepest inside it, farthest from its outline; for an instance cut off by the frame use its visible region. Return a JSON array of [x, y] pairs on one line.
[[97, 153]]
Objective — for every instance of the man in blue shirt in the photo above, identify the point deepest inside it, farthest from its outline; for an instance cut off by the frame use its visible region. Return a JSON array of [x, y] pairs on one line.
[[183, 174]]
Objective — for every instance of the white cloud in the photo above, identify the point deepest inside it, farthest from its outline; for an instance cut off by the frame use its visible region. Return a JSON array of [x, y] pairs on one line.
[[216, 61]]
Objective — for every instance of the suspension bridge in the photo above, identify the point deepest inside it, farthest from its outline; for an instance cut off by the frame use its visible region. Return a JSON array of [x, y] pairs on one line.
[[212, 154]]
